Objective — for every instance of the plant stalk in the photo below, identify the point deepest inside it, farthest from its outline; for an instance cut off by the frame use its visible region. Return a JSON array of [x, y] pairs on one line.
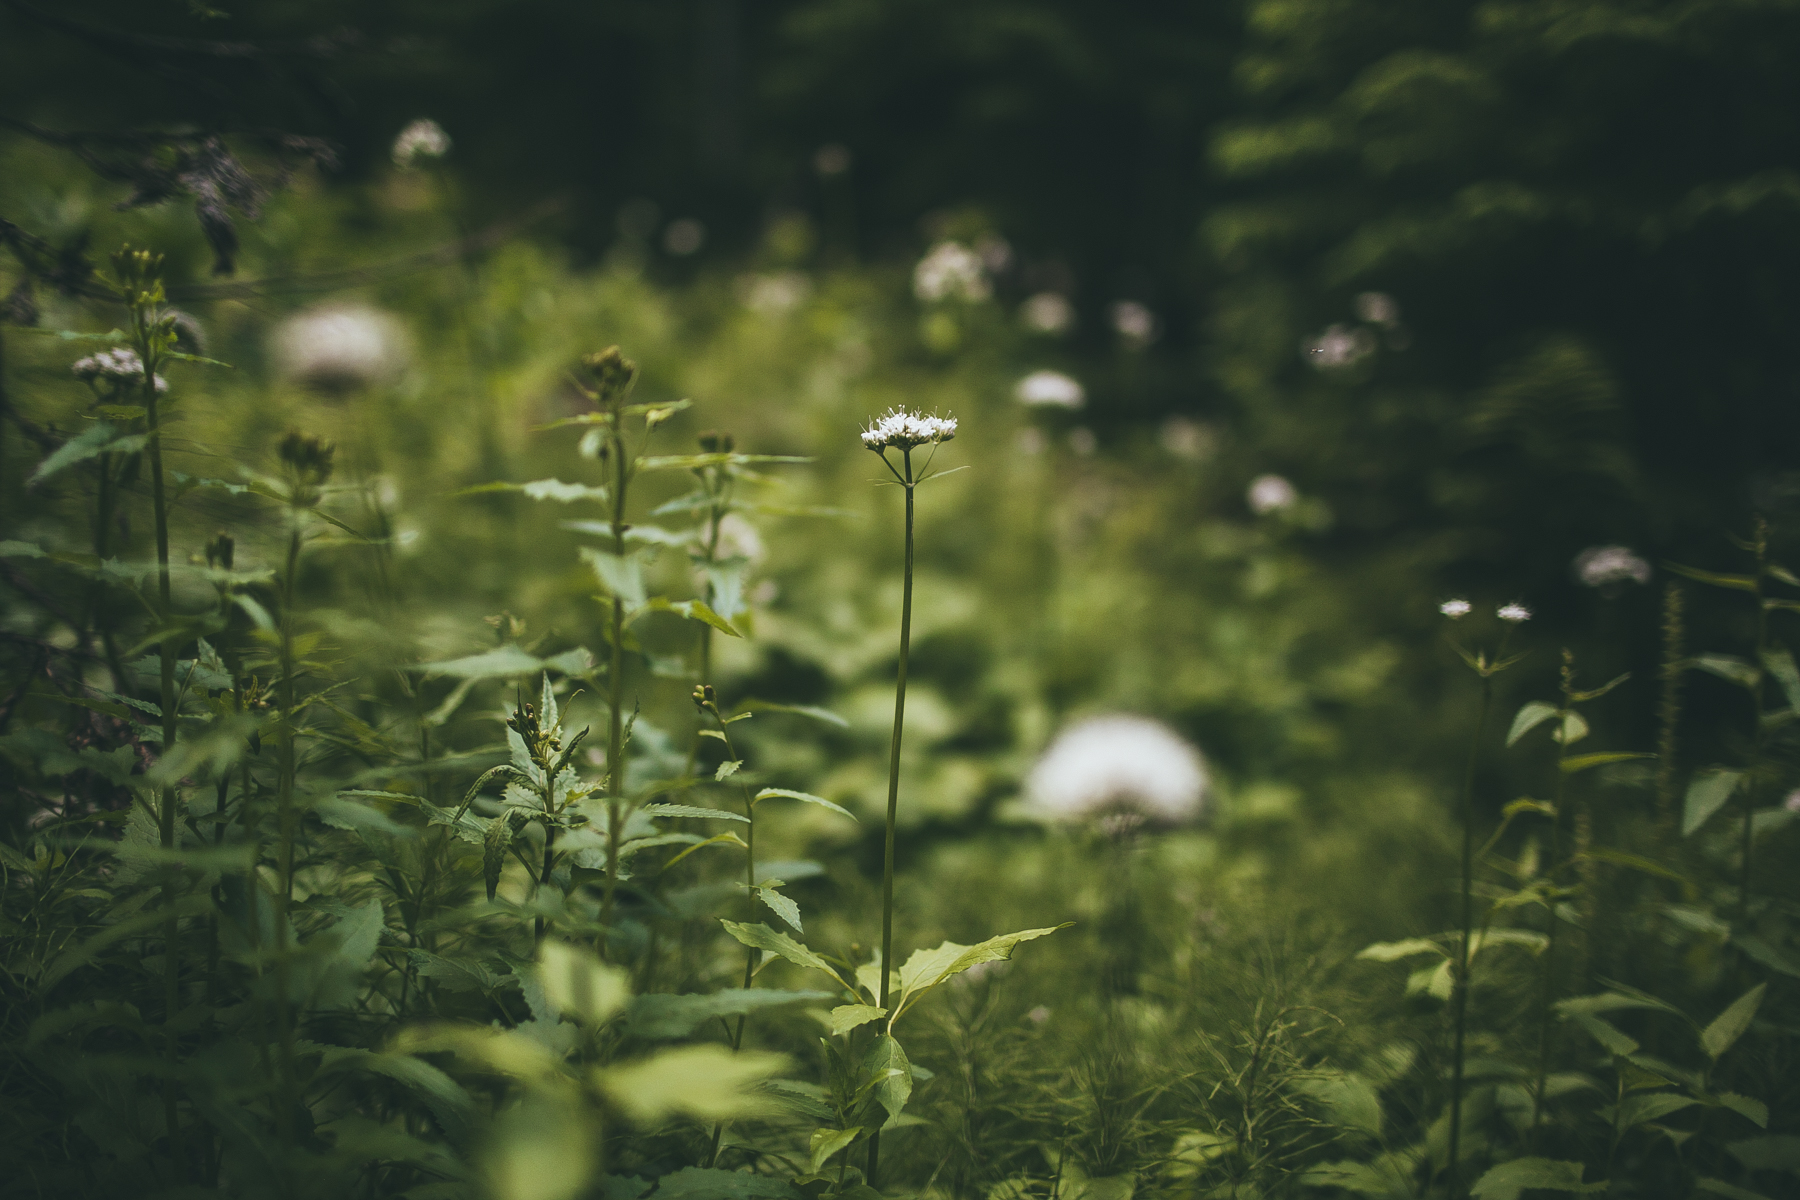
[[1461, 1002]]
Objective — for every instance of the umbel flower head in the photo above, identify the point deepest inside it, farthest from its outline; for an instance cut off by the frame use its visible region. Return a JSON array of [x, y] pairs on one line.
[[120, 365], [1515, 613], [1118, 768], [1456, 610], [903, 430]]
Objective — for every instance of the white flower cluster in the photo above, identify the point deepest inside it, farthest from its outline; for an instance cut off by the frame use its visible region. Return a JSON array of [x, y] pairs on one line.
[[1119, 765], [1515, 613], [1049, 389], [121, 365], [1048, 312], [1270, 493], [1456, 610], [1338, 347], [424, 138], [1603, 566], [1135, 323], [903, 430], [340, 348], [951, 270]]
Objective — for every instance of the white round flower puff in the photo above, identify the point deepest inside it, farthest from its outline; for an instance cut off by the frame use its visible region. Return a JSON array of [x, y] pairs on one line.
[[121, 365], [903, 430], [1115, 766], [337, 347]]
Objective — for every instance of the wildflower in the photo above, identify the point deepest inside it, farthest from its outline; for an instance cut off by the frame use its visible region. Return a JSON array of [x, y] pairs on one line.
[[338, 348], [951, 270], [1135, 323], [424, 138], [1456, 610], [1119, 764], [903, 430], [1049, 389], [1338, 347], [1601, 566], [118, 366], [1048, 312], [1515, 613], [1378, 308], [1270, 493]]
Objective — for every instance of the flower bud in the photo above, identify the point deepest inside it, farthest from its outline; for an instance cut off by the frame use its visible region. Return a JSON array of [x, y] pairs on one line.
[[613, 373]]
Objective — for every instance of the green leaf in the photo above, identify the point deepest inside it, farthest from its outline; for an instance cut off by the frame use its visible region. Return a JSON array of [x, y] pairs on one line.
[[925, 969], [1740, 583], [1348, 1099], [761, 937], [846, 1017], [889, 1073], [690, 810], [808, 797], [1583, 762], [1611, 1036], [1394, 951], [1706, 795], [827, 1142], [727, 769], [781, 905], [1574, 728], [494, 843], [702, 1183], [1529, 717], [1780, 664], [657, 1016], [92, 442], [1754, 1111], [579, 985], [20, 550], [1507, 1180], [503, 661], [621, 576], [1728, 667], [1644, 1108], [1766, 954], [1730, 1025], [707, 1082], [803, 710], [542, 489], [79, 956]]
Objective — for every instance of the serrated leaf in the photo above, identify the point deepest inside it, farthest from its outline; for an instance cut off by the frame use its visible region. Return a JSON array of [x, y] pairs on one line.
[[887, 1068], [691, 810], [1706, 794], [1754, 1111], [761, 937], [92, 442], [494, 844], [1507, 1180], [1730, 1025], [727, 769], [1611, 1036], [807, 797], [846, 1017], [1529, 717], [925, 969], [1642, 1109], [782, 906], [579, 985], [1348, 1099], [827, 1142]]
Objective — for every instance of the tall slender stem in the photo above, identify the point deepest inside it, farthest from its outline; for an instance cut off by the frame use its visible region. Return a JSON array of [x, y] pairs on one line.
[[1547, 971], [1461, 1001], [615, 678], [284, 808], [1762, 653], [751, 954], [893, 796]]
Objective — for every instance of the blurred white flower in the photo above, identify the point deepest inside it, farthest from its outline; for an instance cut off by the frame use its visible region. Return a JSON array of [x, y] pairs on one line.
[[1338, 347], [1135, 323], [1513, 612], [1456, 610], [1048, 312], [831, 159], [777, 292], [1187, 439], [337, 348], [1377, 308], [1049, 389], [1792, 803], [1270, 493], [1600, 566], [994, 251], [1083, 442], [424, 138], [903, 430], [118, 365], [684, 236], [951, 270], [1118, 766], [738, 538]]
